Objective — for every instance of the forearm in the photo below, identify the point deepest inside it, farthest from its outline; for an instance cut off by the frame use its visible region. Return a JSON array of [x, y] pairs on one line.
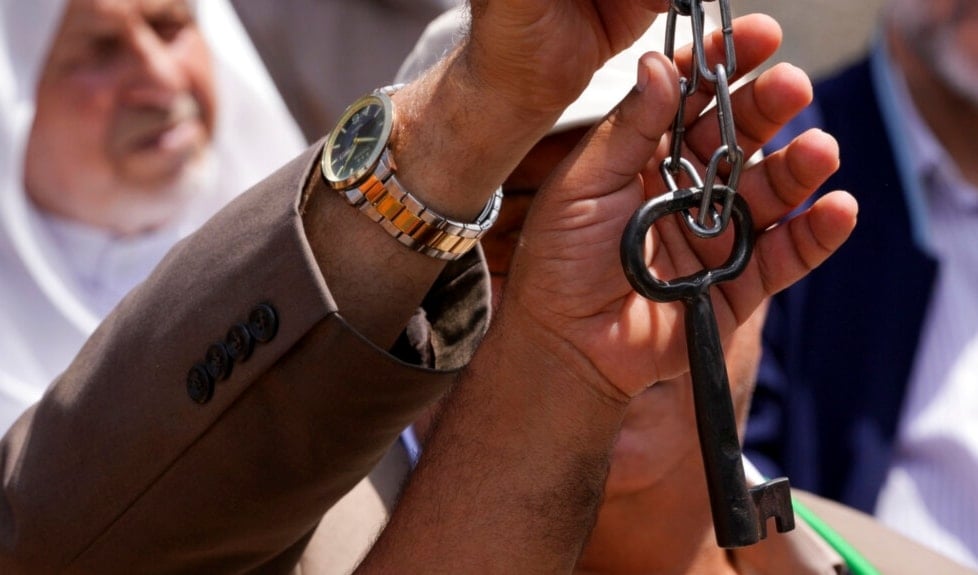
[[666, 527], [513, 472], [454, 143], [458, 138]]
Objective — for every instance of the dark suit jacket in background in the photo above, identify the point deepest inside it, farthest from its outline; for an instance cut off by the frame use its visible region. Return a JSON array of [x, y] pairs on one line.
[[840, 344]]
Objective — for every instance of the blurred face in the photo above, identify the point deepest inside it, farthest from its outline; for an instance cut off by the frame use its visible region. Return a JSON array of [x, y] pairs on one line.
[[944, 34], [125, 114]]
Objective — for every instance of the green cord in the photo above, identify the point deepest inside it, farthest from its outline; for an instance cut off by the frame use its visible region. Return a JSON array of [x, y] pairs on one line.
[[858, 564]]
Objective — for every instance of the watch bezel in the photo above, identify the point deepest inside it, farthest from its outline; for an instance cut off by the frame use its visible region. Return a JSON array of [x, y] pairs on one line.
[[367, 168], [375, 191]]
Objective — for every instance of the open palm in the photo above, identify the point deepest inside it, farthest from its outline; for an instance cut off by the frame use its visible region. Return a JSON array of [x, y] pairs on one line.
[[566, 277]]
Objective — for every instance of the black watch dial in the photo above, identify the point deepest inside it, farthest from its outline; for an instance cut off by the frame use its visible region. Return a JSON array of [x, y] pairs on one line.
[[355, 145]]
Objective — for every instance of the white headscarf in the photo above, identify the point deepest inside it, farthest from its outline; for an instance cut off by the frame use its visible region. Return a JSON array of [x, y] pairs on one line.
[[45, 312]]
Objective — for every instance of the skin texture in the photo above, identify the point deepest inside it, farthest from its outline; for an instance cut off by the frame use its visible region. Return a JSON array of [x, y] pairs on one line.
[[125, 113], [519, 189], [605, 329], [655, 470], [461, 129], [516, 465]]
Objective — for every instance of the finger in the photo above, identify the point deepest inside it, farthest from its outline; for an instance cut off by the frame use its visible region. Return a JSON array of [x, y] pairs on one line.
[[624, 27], [787, 252], [760, 109], [773, 188], [620, 146], [604, 166], [786, 178]]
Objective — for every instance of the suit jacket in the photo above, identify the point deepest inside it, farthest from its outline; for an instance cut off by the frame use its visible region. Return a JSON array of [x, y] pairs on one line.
[[839, 345], [136, 462], [350, 527], [888, 551]]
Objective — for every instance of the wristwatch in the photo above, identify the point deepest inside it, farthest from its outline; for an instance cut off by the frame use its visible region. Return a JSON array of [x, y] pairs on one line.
[[357, 162]]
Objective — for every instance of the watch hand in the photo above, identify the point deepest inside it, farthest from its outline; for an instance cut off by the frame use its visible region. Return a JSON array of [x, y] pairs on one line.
[[364, 139], [349, 156]]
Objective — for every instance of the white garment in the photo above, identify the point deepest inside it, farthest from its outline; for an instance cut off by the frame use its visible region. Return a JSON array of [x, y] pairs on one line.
[[59, 279], [930, 490]]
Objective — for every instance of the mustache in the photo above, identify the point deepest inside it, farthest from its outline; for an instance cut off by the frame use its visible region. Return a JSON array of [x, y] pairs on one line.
[[141, 125]]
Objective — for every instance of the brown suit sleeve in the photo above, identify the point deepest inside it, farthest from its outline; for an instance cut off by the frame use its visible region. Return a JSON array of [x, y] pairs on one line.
[[887, 550], [118, 470]]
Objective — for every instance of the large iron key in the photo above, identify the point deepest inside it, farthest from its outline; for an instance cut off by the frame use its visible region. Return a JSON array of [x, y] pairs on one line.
[[739, 514]]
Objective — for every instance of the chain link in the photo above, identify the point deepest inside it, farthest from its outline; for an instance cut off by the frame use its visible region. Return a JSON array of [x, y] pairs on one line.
[[740, 514], [708, 222]]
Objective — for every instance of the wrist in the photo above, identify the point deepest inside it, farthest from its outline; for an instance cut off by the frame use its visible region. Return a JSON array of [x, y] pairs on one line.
[[503, 71], [456, 141], [534, 348]]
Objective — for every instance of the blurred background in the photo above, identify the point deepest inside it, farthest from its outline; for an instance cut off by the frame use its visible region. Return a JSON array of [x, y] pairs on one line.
[[819, 35]]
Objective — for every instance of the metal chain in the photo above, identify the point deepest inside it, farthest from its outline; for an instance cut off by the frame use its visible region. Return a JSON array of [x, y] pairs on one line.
[[708, 222]]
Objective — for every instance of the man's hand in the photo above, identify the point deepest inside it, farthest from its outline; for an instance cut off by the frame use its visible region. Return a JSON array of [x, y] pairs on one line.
[[544, 52], [514, 469], [461, 129], [566, 284], [466, 124], [656, 465]]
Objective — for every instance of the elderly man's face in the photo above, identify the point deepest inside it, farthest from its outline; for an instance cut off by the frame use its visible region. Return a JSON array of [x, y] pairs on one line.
[[125, 109], [944, 33]]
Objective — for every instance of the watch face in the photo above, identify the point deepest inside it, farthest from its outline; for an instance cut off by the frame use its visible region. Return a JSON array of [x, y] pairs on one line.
[[355, 145]]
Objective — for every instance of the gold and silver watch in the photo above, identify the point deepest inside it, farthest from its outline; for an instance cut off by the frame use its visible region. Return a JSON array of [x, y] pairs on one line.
[[357, 163]]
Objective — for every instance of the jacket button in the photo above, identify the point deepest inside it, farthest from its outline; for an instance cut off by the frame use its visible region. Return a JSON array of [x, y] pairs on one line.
[[218, 362], [239, 342], [200, 384], [263, 323]]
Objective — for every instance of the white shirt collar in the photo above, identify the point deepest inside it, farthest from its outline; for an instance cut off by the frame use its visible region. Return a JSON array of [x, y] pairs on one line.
[[927, 171]]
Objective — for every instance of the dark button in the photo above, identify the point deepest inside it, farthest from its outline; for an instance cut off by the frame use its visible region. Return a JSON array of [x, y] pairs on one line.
[[218, 362], [263, 323], [239, 342], [200, 384]]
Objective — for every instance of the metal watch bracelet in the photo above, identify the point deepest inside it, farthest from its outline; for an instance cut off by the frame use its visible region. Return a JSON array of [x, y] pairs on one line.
[[385, 201]]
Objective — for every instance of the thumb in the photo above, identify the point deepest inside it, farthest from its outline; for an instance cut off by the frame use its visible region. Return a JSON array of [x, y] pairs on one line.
[[621, 145]]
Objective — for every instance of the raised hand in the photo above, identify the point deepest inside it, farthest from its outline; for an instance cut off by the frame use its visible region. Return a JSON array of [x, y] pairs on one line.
[[514, 469], [566, 284]]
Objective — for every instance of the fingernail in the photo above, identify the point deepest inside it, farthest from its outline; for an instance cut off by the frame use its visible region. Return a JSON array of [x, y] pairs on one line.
[[643, 77]]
